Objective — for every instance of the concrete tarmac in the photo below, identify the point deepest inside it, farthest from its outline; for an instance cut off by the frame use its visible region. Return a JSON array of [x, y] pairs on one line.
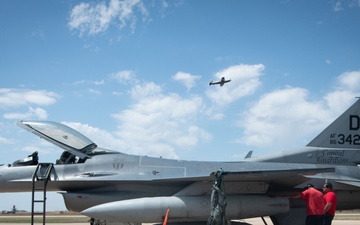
[[251, 221], [258, 221]]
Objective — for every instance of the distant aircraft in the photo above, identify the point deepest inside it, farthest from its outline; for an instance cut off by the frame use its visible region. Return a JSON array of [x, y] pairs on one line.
[[122, 188], [221, 82], [13, 211]]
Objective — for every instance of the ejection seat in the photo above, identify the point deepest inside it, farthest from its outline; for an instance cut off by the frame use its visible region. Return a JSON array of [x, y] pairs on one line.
[[32, 159]]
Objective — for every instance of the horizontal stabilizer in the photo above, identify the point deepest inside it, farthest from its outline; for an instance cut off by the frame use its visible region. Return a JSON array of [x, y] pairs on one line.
[[338, 178], [351, 183], [302, 171]]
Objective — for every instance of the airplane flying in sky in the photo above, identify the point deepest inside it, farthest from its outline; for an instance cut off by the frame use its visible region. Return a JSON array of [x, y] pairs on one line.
[[221, 82], [112, 186]]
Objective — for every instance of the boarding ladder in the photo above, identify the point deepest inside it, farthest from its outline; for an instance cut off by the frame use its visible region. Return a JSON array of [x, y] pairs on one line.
[[40, 180]]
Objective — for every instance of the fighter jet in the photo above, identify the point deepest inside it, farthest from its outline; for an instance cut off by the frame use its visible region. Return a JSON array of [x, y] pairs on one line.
[[221, 82], [121, 188]]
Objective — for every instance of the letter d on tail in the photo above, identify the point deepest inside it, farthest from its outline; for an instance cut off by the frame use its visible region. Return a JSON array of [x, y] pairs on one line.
[[354, 122]]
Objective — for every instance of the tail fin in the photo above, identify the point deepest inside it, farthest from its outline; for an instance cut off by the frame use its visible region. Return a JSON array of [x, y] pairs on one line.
[[249, 154], [344, 132]]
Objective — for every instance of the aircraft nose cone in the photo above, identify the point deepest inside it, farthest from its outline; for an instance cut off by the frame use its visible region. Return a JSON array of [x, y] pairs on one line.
[[113, 211], [134, 210], [94, 212]]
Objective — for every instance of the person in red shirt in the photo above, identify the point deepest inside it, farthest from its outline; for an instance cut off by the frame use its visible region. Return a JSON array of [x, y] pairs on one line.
[[330, 203], [314, 205]]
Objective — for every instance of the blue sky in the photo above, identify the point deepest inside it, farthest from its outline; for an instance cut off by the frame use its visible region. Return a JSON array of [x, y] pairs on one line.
[[134, 75]]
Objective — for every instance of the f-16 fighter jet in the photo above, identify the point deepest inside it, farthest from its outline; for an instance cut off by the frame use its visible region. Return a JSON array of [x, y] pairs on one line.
[[112, 186]]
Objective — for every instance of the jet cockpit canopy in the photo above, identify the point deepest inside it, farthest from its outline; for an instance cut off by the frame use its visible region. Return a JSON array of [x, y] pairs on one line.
[[61, 135]]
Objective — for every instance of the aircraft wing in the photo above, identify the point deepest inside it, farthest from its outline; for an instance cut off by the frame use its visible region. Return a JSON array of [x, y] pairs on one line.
[[284, 178], [216, 82], [251, 187], [257, 180]]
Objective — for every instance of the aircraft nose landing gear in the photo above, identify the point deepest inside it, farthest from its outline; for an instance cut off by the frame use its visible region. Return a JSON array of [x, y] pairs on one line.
[[218, 201], [97, 222]]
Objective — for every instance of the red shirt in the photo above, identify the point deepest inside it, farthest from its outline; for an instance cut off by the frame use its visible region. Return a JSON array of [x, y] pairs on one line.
[[314, 201], [331, 197]]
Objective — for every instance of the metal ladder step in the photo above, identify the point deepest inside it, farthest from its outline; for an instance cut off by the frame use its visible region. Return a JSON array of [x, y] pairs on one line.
[[42, 175]]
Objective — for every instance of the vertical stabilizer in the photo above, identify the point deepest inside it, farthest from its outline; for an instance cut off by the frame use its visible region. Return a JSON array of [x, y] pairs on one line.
[[344, 132]]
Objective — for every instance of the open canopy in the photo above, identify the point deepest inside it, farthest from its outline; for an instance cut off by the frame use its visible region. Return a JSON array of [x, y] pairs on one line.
[[62, 136]]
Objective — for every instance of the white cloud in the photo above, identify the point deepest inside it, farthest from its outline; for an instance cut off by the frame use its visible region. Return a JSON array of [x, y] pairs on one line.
[[244, 81], [278, 114], [94, 91], [5, 140], [33, 113], [338, 6], [341, 5], [217, 116], [100, 137], [93, 19], [286, 117], [39, 113], [98, 83], [124, 76], [350, 80], [186, 78], [32, 148], [145, 90], [157, 124], [346, 89], [94, 82], [20, 97], [164, 124]]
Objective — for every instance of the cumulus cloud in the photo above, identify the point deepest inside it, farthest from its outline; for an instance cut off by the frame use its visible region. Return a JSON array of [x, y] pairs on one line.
[[146, 90], [163, 124], [102, 138], [290, 112], [345, 90], [244, 81], [91, 19], [124, 76], [278, 114], [20, 97], [157, 123], [350, 80], [33, 113], [186, 78]]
